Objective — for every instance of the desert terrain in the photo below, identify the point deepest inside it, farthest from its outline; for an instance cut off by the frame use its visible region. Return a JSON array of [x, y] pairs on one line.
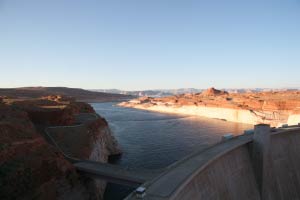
[[76, 93], [275, 108]]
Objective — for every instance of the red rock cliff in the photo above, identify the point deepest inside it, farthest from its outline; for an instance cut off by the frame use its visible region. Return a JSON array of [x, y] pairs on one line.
[[30, 168]]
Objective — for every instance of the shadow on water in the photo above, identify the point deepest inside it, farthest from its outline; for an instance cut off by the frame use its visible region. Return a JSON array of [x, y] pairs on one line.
[[116, 191]]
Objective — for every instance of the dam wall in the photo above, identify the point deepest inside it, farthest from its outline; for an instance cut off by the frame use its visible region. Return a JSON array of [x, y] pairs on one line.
[[229, 177], [275, 119], [285, 152], [265, 166]]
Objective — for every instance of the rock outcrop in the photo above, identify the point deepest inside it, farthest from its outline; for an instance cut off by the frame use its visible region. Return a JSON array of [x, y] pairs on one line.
[[31, 168], [213, 92]]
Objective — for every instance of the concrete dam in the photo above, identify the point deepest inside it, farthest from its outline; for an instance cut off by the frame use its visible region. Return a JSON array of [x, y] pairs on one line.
[[264, 165]]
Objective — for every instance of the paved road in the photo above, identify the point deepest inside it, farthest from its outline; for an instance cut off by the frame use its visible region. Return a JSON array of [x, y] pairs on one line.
[[105, 171], [114, 173]]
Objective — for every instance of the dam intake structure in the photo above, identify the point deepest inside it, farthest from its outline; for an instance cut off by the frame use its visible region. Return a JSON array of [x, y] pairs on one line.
[[260, 166]]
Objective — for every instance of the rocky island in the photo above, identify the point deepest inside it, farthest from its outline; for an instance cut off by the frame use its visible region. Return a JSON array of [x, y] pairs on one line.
[[274, 108], [33, 168]]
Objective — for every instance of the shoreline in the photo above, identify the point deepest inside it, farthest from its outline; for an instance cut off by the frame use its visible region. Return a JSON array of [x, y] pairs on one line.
[[228, 114]]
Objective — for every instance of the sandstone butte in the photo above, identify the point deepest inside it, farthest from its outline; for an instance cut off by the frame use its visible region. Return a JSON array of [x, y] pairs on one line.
[[31, 168], [274, 108]]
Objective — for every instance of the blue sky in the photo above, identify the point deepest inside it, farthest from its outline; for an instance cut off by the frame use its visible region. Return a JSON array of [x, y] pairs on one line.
[[150, 44]]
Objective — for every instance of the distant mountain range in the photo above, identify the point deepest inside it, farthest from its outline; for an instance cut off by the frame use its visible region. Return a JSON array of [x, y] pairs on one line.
[[171, 92], [79, 94], [152, 93], [101, 95]]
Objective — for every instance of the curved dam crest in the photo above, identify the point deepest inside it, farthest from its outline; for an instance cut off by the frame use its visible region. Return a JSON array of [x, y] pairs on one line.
[[265, 166]]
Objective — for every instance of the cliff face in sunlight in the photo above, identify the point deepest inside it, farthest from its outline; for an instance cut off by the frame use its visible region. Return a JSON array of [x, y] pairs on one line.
[[31, 168], [274, 108]]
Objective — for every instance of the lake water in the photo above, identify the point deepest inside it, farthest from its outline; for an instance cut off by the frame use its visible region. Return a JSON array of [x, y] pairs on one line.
[[151, 140]]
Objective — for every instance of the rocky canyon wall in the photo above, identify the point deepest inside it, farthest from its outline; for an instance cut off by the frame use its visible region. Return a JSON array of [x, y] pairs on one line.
[[31, 168]]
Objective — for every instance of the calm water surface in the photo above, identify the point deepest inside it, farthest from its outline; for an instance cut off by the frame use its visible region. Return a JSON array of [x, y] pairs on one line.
[[153, 140]]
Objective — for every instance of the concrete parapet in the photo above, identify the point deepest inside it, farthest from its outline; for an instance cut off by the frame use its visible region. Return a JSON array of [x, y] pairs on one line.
[[261, 159]]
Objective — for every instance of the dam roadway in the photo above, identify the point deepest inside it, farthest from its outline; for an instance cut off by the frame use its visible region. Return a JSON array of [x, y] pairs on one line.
[[114, 173], [264, 165]]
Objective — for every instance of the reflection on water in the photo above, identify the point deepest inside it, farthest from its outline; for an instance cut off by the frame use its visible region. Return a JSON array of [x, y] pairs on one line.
[[155, 140]]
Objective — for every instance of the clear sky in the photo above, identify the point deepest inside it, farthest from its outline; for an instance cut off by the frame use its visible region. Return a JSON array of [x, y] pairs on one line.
[[150, 44]]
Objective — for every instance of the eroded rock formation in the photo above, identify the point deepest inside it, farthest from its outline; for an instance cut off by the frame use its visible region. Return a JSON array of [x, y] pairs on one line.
[[213, 92], [31, 168]]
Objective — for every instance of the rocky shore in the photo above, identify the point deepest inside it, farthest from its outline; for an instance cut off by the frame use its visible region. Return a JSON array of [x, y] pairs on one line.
[[32, 168], [274, 108]]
